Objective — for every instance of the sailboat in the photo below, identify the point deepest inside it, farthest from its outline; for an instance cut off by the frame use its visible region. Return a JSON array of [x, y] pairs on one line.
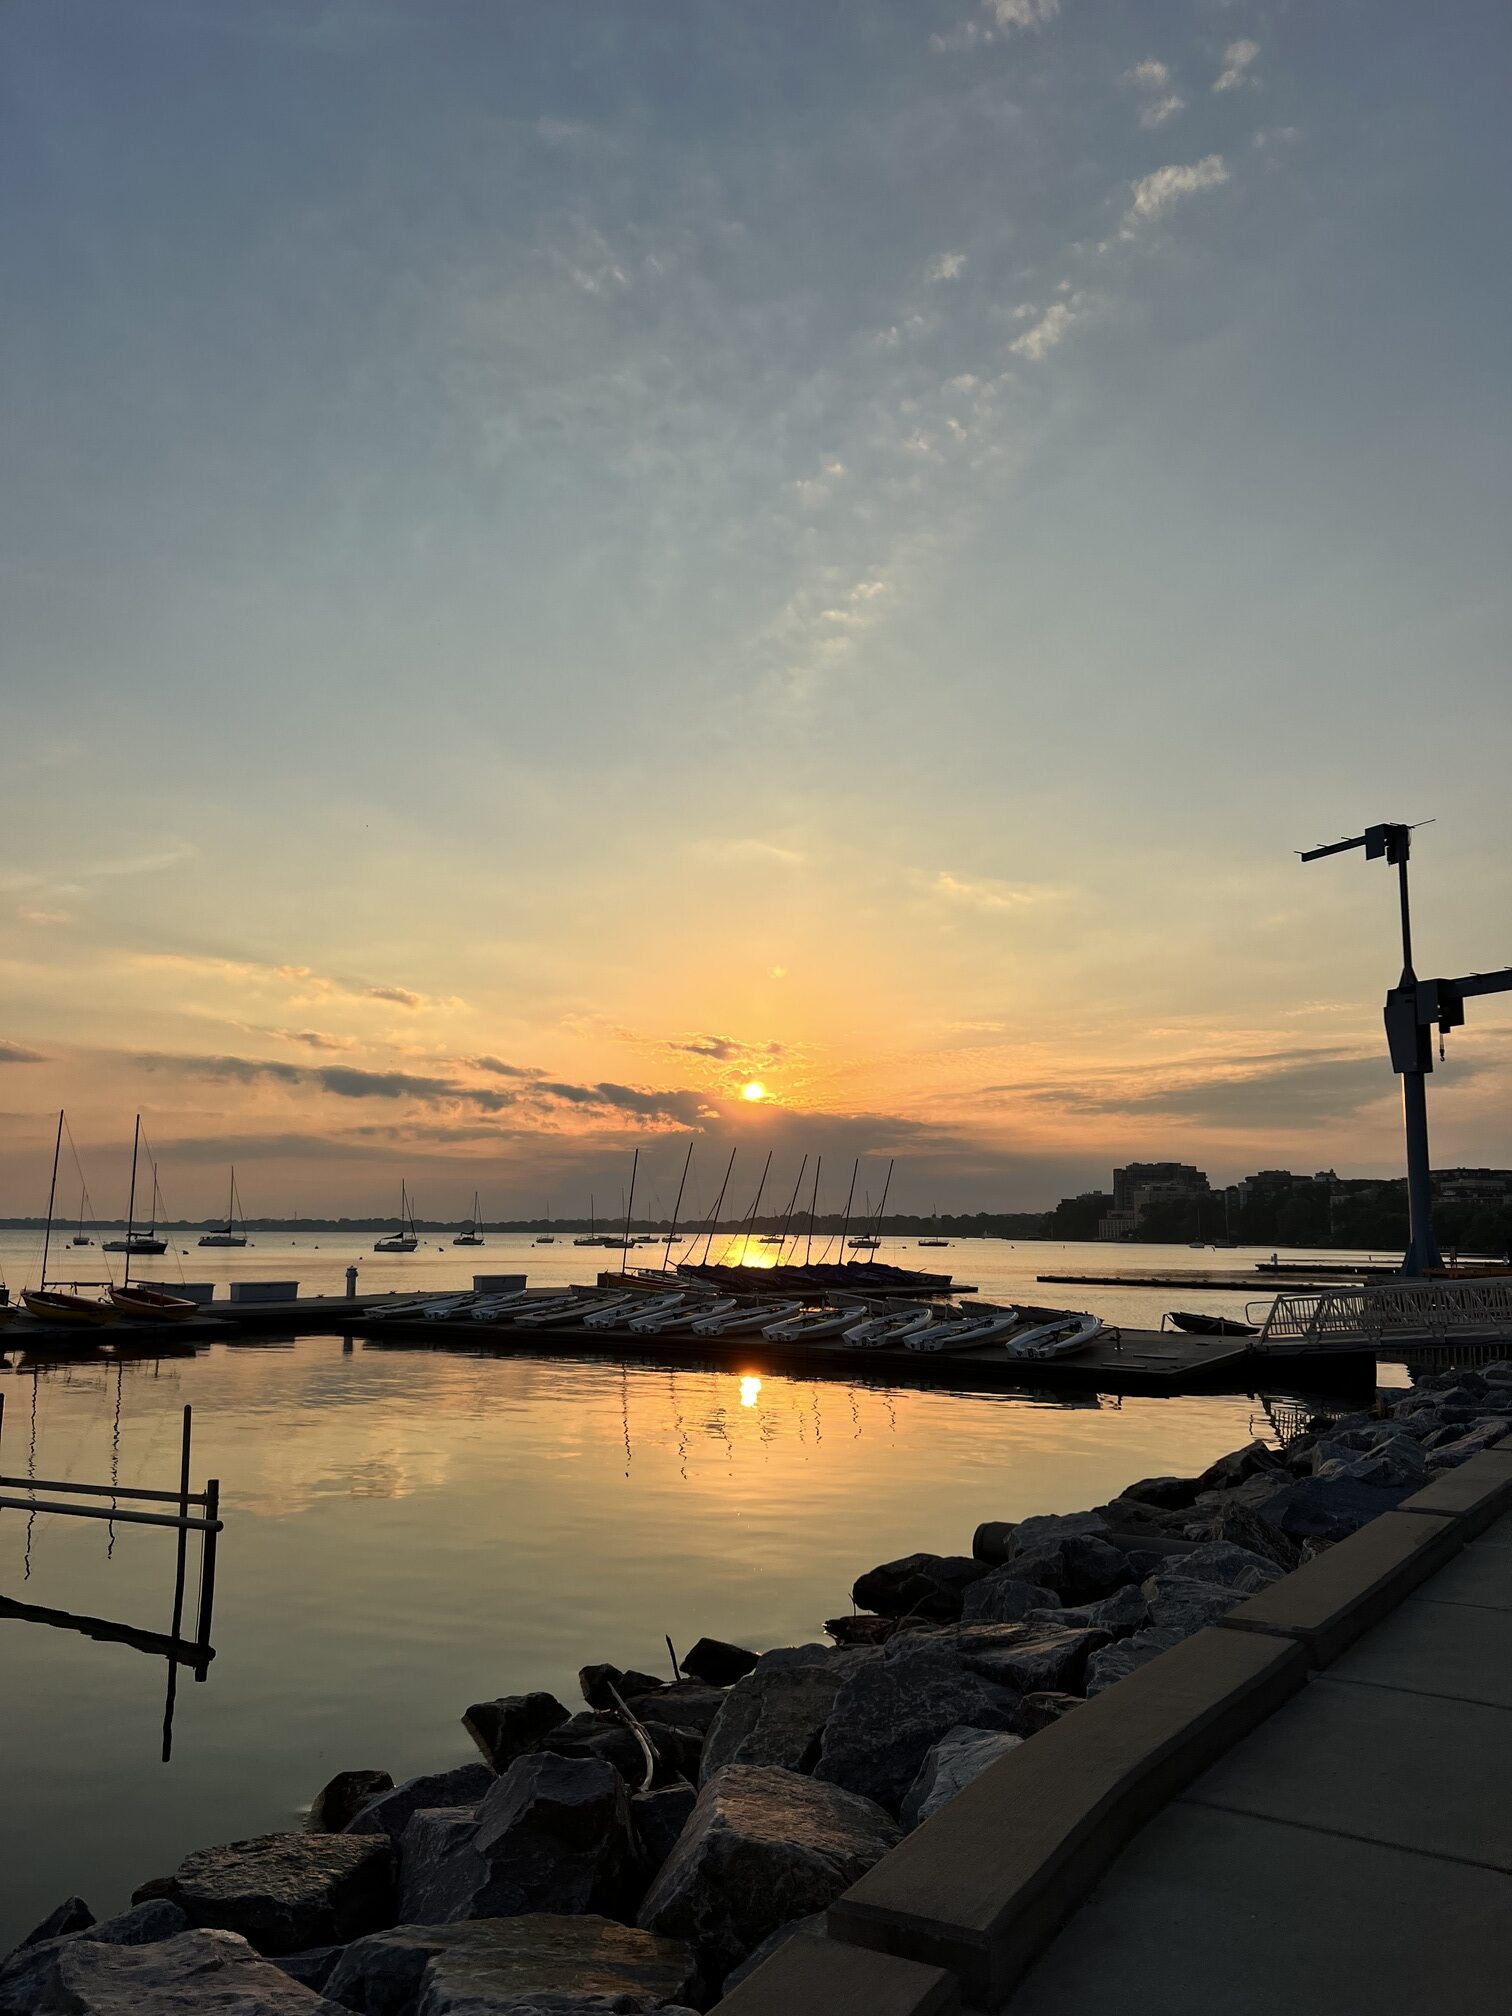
[[548, 1237], [139, 1242], [228, 1234], [472, 1233], [81, 1237], [144, 1302], [405, 1240], [57, 1305], [934, 1238], [590, 1237]]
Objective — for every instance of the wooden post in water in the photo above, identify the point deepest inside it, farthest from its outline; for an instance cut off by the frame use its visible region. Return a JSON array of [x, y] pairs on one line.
[[207, 1578]]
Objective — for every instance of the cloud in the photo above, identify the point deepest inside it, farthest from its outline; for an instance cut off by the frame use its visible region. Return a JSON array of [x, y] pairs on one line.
[[17, 1053], [751, 849], [1151, 81], [979, 892], [1042, 336], [303, 978], [1237, 59], [1005, 17], [28, 915], [400, 996], [500, 1069], [946, 266], [1266, 1093], [1155, 194]]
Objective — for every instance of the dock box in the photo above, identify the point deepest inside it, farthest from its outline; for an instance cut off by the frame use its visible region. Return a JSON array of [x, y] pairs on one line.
[[199, 1292], [264, 1291], [497, 1284]]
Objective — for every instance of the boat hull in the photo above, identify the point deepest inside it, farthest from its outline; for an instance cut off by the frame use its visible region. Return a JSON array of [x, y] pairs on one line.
[[145, 1246], [52, 1305], [151, 1305], [223, 1239]]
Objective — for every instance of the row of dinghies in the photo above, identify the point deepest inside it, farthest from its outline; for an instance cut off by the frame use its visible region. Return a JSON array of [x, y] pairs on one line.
[[652, 1306]]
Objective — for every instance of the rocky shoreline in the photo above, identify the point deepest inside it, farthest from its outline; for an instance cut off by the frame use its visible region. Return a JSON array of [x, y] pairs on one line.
[[652, 1848]]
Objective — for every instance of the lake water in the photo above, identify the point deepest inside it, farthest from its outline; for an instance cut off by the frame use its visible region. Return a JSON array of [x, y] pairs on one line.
[[409, 1532]]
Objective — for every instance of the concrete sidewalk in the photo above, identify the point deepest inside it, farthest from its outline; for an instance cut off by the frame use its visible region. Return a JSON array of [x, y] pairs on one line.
[[1353, 1855]]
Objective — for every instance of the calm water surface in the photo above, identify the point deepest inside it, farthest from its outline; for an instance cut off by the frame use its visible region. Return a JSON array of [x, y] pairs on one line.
[[409, 1532]]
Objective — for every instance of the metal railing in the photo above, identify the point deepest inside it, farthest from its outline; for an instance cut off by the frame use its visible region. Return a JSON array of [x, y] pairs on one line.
[[1426, 1312]]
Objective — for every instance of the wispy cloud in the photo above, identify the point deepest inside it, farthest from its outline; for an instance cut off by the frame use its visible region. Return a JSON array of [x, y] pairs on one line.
[[767, 853], [1155, 194], [979, 892], [1041, 337], [17, 1053], [304, 980], [946, 266], [1003, 18], [1150, 81], [1237, 59]]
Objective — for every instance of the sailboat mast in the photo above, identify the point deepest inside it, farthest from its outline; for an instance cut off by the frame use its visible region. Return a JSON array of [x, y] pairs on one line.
[[849, 1200], [883, 1205], [787, 1216], [51, 1195], [755, 1207], [671, 1242], [808, 1251], [136, 1137], [629, 1208], [714, 1214]]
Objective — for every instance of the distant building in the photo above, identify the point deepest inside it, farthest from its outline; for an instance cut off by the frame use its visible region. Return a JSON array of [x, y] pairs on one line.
[[1141, 1184], [1472, 1186]]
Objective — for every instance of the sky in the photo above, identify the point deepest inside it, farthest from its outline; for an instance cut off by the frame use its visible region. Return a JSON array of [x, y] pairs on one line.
[[557, 564]]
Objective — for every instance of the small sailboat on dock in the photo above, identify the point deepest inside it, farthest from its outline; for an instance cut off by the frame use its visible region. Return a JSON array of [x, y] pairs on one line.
[[144, 1302], [227, 1234], [406, 1239], [472, 1232], [62, 1305]]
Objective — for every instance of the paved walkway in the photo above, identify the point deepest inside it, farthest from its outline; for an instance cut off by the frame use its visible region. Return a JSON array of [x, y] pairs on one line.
[[1352, 1856]]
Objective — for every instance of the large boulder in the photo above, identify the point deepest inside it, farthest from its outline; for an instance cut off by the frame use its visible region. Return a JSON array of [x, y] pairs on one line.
[[1046, 1528], [1485, 1433], [1223, 1563], [1028, 1658], [1038, 1711], [773, 1716], [1126, 1655], [890, 1710], [1164, 1494], [437, 1840], [918, 1585], [763, 1846], [602, 1738], [1180, 1605], [656, 1820], [1079, 1567], [186, 1975], [687, 1704], [28, 1974], [716, 1663], [553, 1835], [600, 1684], [539, 1960], [1116, 1616], [1242, 1527], [1004, 1597], [72, 1915], [1238, 1465], [339, 1801], [389, 1814], [950, 1765], [1400, 1461], [1325, 1508], [283, 1892], [510, 1726]]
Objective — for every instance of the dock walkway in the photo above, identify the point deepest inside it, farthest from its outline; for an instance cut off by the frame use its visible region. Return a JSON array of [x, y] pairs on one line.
[[1353, 1855], [1305, 1807]]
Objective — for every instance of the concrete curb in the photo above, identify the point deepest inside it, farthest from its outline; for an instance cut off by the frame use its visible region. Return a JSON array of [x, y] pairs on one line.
[[980, 1887], [1327, 1603], [810, 1974], [1476, 1494]]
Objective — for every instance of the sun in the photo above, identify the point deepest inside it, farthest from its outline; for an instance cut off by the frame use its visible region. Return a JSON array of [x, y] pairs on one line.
[[753, 1091]]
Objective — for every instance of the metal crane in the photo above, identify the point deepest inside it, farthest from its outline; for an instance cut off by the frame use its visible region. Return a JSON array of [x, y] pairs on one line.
[[1413, 1007]]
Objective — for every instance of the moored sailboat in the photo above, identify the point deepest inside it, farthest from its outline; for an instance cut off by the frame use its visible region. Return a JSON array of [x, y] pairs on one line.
[[472, 1232], [144, 1303], [227, 1234], [406, 1239]]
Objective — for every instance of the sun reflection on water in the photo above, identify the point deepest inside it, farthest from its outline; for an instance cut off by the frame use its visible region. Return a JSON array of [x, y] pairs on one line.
[[750, 1390]]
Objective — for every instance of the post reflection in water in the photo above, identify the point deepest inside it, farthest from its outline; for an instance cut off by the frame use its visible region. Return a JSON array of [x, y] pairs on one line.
[[409, 1531]]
